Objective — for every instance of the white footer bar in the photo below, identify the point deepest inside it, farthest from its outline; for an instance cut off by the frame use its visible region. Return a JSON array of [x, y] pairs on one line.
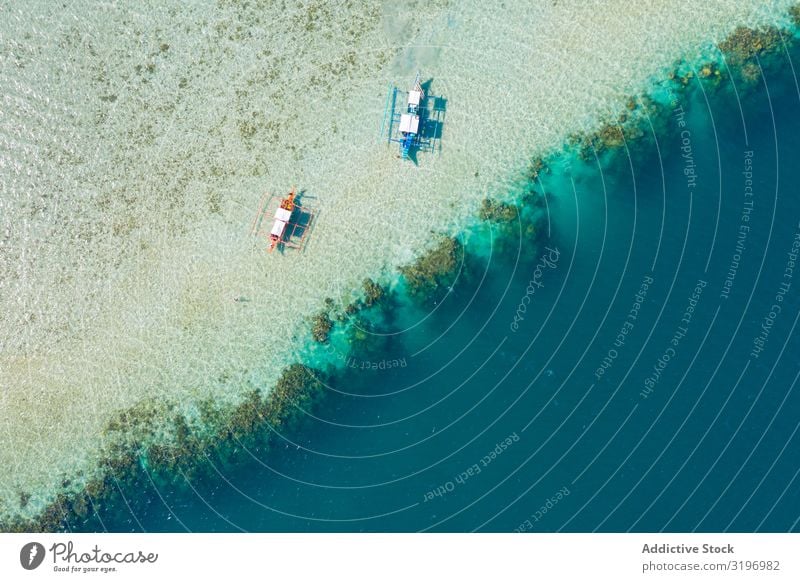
[[401, 557]]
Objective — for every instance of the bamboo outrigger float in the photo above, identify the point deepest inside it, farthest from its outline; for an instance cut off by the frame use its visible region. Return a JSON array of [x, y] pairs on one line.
[[291, 221]]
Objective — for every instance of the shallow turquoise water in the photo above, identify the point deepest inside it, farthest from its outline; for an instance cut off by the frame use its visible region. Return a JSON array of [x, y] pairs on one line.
[[633, 392]]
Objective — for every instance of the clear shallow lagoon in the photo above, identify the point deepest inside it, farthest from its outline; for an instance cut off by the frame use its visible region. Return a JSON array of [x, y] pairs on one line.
[[638, 390]]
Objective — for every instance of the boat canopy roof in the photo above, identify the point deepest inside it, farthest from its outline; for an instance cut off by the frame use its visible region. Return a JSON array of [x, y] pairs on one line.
[[409, 123], [283, 214], [278, 228]]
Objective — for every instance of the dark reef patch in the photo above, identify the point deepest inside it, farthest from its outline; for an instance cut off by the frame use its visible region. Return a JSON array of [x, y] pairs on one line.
[[321, 326], [433, 270], [373, 292], [492, 210], [746, 49]]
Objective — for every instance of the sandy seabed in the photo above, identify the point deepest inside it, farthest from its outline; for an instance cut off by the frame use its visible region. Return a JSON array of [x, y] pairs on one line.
[[135, 145]]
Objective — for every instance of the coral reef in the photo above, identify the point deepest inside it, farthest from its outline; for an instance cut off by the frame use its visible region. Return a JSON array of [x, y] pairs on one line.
[[434, 269], [373, 292], [321, 326], [495, 211], [536, 168], [745, 44]]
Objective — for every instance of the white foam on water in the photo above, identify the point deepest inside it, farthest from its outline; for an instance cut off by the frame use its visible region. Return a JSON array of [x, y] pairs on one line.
[[135, 144]]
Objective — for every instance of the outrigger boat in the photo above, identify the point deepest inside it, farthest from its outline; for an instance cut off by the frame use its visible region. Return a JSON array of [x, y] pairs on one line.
[[418, 126], [409, 121], [291, 221]]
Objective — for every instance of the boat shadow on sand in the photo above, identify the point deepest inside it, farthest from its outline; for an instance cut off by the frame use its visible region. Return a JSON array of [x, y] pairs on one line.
[[432, 123], [303, 218]]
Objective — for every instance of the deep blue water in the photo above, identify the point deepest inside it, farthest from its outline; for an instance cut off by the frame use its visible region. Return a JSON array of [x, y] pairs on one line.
[[589, 413]]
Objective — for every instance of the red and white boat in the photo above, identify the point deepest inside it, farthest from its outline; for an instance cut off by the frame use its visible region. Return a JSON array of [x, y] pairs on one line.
[[290, 221]]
